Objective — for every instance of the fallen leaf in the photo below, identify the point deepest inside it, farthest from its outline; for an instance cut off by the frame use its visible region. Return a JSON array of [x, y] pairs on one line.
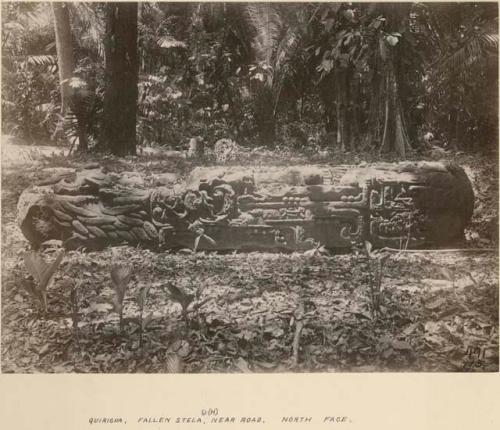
[[401, 345], [436, 304], [242, 365], [44, 349]]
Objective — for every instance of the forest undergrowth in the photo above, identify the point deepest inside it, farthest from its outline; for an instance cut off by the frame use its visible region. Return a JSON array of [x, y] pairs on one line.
[[251, 312]]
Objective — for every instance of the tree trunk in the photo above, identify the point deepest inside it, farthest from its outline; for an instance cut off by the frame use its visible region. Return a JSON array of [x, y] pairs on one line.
[[386, 121], [327, 97], [397, 137], [264, 116], [344, 104], [121, 78], [387, 114], [64, 51]]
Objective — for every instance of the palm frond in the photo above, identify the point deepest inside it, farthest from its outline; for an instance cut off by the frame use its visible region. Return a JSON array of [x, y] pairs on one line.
[[278, 37], [267, 24], [29, 26], [286, 48], [169, 42], [89, 26], [48, 61], [82, 119], [38, 19], [475, 49], [490, 41]]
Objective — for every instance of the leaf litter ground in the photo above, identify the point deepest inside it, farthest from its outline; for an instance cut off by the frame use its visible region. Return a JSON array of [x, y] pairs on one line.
[[439, 310]]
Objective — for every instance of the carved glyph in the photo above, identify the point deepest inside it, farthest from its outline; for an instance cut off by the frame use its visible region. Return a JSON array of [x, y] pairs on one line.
[[268, 208]]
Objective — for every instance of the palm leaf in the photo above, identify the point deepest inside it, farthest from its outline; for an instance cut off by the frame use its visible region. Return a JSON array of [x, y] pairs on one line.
[[179, 296], [173, 363], [278, 36], [490, 42], [42, 272], [89, 21], [41, 60], [120, 276], [39, 18], [267, 25], [203, 236], [82, 119], [142, 296], [169, 42], [478, 44], [475, 49]]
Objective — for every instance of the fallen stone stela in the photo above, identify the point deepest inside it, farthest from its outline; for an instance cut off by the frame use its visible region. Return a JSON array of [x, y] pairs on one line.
[[265, 208]]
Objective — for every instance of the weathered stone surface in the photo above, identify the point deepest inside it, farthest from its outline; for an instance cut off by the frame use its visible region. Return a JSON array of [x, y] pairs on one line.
[[244, 208], [165, 179]]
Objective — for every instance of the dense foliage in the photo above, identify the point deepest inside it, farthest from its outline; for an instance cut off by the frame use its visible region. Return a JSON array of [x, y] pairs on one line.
[[342, 76]]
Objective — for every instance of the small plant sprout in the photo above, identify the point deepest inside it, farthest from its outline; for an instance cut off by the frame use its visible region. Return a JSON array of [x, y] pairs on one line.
[[142, 298], [200, 234], [199, 231], [181, 297], [316, 251], [43, 274], [75, 309], [375, 261], [120, 277]]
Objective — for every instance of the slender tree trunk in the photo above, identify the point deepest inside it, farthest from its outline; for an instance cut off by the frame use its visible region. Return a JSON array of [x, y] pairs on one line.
[[121, 78], [64, 51], [264, 116], [354, 114], [338, 116], [386, 117], [344, 111]]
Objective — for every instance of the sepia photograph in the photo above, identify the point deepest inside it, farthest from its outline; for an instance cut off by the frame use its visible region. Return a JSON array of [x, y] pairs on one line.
[[228, 188]]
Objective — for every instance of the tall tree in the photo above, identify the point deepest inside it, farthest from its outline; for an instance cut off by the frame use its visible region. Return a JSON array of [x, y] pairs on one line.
[[462, 108], [340, 44], [64, 51], [279, 34], [121, 79], [386, 62]]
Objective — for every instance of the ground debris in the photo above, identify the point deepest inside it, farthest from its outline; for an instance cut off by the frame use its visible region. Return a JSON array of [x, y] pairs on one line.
[[438, 311]]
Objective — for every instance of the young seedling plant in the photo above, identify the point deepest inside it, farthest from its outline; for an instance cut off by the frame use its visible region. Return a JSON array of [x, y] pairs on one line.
[[75, 310], [120, 277], [142, 322], [197, 228], [375, 261], [200, 234], [43, 273], [181, 297]]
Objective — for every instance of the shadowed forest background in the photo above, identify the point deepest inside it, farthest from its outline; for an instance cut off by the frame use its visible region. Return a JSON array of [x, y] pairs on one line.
[[159, 88], [330, 76]]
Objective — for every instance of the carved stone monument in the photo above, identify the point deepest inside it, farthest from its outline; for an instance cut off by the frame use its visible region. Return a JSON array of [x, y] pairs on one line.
[[261, 208]]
